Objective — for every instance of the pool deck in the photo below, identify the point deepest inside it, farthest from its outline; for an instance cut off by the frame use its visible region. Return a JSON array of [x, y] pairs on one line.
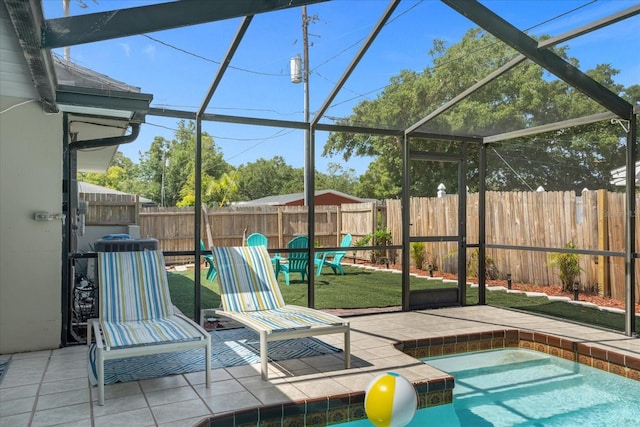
[[50, 387]]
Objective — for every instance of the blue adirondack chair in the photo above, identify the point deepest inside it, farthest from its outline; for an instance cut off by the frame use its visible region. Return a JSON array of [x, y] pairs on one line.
[[296, 262], [212, 272], [257, 239], [333, 259]]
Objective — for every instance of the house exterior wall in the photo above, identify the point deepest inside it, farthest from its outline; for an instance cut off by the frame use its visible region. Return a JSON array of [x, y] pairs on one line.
[[30, 251], [14, 73]]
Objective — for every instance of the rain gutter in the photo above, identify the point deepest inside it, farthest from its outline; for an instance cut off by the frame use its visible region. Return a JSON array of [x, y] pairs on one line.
[[109, 141]]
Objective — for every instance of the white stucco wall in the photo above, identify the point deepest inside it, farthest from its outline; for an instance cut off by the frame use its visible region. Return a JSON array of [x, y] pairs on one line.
[[30, 251]]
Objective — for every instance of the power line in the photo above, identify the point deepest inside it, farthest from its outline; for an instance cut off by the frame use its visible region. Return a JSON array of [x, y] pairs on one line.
[[468, 53], [204, 58], [280, 133], [363, 38], [358, 95], [230, 138]]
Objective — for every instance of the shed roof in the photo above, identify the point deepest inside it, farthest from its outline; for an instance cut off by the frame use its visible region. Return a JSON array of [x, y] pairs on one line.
[[89, 188], [619, 175], [284, 199]]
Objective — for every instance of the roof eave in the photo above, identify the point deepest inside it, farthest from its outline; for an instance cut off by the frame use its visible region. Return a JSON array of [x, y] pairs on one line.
[[27, 17]]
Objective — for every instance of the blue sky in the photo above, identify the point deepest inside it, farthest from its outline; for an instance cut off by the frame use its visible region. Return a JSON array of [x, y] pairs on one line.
[[177, 66]]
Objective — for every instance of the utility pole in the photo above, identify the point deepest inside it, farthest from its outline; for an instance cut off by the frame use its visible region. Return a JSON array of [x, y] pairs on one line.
[[305, 55], [300, 73]]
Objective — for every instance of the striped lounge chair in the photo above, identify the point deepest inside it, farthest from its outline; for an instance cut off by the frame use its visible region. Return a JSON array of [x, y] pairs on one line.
[[251, 296], [136, 316]]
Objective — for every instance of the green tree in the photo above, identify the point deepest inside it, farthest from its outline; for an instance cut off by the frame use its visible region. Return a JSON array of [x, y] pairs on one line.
[[380, 180], [527, 96], [172, 163], [122, 175], [264, 178], [224, 190], [337, 178]]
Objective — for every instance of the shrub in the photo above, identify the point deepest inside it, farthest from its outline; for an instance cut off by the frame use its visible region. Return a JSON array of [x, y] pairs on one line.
[[568, 264], [418, 254], [491, 271], [382, 237]]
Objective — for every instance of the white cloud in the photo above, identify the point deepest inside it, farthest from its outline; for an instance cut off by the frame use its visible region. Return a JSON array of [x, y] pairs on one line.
[[127, 49], [150, 51]]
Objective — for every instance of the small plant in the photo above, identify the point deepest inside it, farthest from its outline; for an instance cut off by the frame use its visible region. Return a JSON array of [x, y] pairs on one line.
[[491, 271], [418, 254], [432, 262], [382, 237], [568, 264], [358, 244]]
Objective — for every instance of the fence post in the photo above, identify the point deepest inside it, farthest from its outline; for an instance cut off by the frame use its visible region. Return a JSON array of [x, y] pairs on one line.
[[338, 224], [280, 228], [136, 210], [207, 226], [604, 287]]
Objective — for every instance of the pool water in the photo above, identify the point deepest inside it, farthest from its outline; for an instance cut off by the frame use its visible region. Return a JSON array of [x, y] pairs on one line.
[[517, 387]]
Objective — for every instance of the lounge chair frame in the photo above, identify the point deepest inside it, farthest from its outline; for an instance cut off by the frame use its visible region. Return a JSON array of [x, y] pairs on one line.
[[252, 266], [200, 339]]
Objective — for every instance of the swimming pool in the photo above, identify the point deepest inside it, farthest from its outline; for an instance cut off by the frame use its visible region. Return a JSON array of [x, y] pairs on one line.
[[518, 387]]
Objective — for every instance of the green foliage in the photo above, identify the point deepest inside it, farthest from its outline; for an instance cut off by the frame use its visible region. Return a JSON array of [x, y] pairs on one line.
[[225, 189], [381, 237], [173, 162], [568, 264], [170, 163], [491, 270], [418, 254], [337, 178], [264, 178], [122, 175], [525, 97]]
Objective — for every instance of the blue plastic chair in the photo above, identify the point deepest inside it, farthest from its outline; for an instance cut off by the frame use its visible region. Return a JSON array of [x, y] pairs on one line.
[[212, 272], [296, 262], [335, 258], [257, 239]]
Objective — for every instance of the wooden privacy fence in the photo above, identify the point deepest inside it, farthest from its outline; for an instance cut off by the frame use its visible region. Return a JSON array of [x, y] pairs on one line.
[[228, 226], [594, 221], [111, 209]]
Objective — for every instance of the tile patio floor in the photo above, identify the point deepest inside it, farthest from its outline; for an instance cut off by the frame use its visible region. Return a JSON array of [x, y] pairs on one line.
[[48, 388]]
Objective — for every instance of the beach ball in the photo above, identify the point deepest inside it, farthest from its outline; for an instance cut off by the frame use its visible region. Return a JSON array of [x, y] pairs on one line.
[[390, 400]]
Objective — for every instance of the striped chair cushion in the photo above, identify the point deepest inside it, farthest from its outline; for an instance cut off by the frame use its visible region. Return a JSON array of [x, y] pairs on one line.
[[289, 318], [135, 305], [133, 286], [156, 331], [247, 280]]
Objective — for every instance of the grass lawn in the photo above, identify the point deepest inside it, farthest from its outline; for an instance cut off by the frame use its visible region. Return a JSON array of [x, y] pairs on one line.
[[361, 288]]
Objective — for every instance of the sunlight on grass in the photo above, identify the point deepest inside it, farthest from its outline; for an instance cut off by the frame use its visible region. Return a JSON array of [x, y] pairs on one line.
[[363, 288]]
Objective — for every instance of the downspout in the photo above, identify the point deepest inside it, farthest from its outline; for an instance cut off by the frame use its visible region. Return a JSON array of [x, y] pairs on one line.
[[70, 203], [66, 272], [107, 142]]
